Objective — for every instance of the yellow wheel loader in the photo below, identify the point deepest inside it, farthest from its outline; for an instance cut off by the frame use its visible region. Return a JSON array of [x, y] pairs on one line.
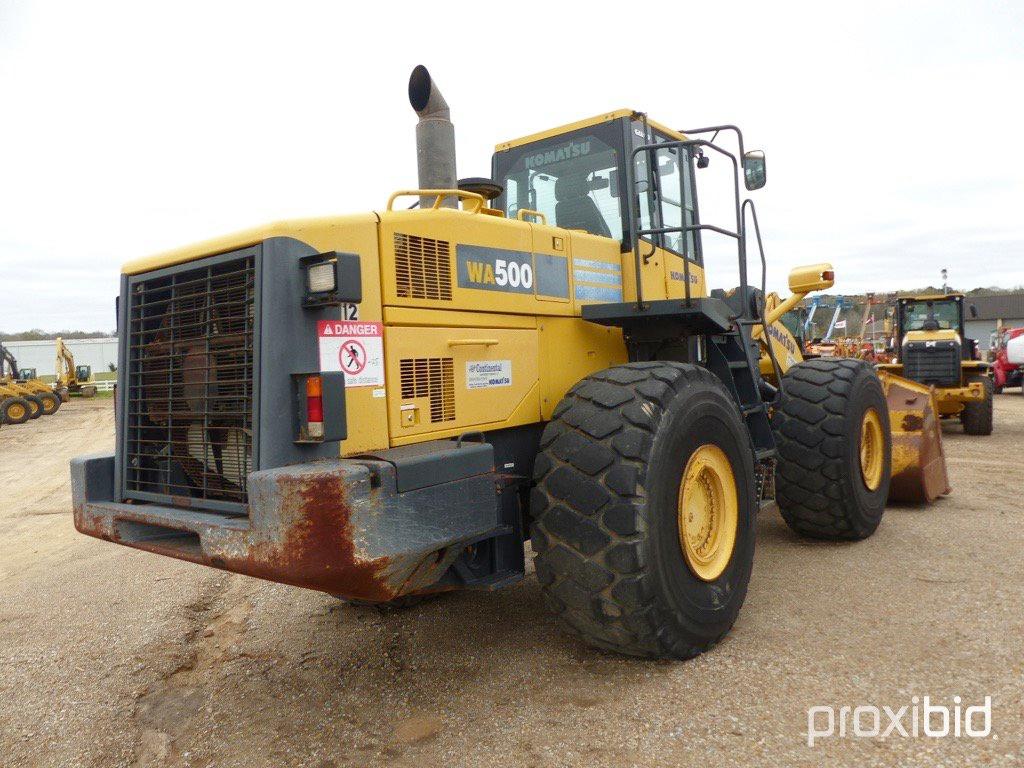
[[391, 404], [917, 458], [932, 348]]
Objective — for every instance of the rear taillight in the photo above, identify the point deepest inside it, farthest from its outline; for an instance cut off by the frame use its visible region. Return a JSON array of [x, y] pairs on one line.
[[314, 407]]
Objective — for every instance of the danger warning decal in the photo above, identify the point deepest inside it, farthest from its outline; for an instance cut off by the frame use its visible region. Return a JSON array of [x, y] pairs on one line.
[[354, 348]]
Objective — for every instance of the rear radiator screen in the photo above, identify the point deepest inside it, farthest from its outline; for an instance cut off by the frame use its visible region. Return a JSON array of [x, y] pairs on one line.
[[189, 406]]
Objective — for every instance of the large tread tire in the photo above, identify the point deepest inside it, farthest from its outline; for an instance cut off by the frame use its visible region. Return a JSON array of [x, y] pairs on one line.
[[977, 416], [50, 403], [605, 525], [818, 481], [24, 410]]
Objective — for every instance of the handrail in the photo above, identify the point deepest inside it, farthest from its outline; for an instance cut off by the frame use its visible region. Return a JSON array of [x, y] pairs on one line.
[[440, 195], [524, 212]]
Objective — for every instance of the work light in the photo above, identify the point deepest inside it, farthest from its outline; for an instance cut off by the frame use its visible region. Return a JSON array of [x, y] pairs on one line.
[[321, 278], [331, 279]]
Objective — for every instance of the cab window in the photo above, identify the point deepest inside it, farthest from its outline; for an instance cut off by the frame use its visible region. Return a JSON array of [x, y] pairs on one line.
[[573, 179], [932, 315]]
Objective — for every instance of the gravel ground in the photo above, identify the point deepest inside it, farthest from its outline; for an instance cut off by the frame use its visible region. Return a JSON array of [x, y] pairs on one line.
[[112, 657]]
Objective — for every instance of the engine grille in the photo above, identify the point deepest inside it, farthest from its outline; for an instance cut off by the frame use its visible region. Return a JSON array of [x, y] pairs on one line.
[[432, 377], [422, 268], [189, 403], [938, 364]]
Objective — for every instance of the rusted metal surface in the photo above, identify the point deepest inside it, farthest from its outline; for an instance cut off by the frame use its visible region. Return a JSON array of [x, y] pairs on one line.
[[918, 460], [334, 526]]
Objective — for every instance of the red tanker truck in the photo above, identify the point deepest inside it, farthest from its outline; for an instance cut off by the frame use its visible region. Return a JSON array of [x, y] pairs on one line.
[[1007, 352]]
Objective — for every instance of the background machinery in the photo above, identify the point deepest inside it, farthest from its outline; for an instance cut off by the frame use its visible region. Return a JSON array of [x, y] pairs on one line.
[[35, 394], [931, 348], [1007, 352], [388, 405], [72, 379]]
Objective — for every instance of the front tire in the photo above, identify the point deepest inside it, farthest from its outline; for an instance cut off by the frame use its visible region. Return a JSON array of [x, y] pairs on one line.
[[832, 432], [15, 410], [977, 416], [631, 459]]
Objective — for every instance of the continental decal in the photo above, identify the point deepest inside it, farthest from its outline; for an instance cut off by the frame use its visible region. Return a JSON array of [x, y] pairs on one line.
[[507, 271]]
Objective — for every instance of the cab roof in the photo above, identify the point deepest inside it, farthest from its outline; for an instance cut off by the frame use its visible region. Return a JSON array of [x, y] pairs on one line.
[[932, 297], [607, 117]]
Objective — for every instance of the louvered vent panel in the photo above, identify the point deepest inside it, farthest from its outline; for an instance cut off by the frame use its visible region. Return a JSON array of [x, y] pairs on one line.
[[422, 268], [432, 377]]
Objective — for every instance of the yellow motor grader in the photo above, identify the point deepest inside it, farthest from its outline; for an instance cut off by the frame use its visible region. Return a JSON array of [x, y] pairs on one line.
[[390, 404], [22, 399]]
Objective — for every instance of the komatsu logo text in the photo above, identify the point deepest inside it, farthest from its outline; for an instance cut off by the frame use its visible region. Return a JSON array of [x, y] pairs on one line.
[[569, 150], [783, 338]]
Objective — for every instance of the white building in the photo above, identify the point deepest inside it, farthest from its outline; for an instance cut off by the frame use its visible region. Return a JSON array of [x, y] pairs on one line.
[[42, 355]]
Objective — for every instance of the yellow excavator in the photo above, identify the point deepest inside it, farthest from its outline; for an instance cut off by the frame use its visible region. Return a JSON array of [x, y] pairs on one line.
[[72, 379]]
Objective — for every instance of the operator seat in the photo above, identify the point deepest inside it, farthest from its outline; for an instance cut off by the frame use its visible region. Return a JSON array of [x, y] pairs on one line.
[[575, 209]]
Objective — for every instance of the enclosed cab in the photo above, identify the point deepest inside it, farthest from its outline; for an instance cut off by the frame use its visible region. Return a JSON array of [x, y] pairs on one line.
[[932, 348]]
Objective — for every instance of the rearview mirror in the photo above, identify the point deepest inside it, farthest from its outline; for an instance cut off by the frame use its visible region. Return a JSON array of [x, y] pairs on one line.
[[754, 172], [973, 310], [815, 277]]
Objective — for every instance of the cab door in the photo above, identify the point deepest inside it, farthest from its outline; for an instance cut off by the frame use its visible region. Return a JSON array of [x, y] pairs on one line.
[[665, 197]]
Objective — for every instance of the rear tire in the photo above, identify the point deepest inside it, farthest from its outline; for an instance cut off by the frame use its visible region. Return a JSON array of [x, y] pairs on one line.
[[50, 402], [608, 507], [15, 410], [977, 416], [820, 483]]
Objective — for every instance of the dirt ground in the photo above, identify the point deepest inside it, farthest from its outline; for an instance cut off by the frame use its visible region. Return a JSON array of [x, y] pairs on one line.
[[112, 657]]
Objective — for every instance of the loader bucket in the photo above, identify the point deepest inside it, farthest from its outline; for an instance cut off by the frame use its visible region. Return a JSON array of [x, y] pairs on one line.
[[918, 461]]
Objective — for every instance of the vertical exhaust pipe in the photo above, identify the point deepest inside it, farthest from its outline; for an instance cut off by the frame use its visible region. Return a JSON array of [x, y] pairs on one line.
[[435, 137]]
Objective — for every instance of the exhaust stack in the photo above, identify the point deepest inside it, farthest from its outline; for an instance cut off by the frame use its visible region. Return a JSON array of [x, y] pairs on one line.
[[435, 137]]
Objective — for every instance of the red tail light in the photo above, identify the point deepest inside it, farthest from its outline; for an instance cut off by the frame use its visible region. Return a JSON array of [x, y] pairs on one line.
[[314, 407]]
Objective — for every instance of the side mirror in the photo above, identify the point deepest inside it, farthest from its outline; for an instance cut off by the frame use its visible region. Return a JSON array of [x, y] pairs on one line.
[[814, 277], [973, 310], [754, 173]]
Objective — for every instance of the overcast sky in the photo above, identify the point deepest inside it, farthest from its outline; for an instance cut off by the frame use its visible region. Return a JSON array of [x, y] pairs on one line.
[[892, 130]]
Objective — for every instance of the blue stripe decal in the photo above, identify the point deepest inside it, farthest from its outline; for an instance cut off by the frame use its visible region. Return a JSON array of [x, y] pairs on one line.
[[595, 293], [588, 264], [597, 277]]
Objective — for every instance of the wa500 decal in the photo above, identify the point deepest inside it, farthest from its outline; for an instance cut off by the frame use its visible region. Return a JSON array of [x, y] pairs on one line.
[[500, 269], [494, 269]]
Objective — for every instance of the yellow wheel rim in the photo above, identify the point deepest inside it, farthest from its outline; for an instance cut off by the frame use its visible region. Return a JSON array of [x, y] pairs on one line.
[[16, 411], [872, 449], [708, 512]]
